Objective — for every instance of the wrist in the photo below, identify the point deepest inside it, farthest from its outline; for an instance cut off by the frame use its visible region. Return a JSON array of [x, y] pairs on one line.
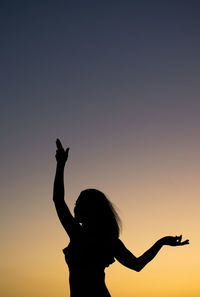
[[160, 242], [60, 165]]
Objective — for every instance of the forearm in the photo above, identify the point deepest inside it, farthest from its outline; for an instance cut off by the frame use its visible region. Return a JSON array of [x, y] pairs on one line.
[[144, 259], [58, 189]]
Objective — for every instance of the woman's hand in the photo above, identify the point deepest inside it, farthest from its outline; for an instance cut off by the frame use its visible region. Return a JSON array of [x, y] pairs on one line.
[[61, 154], [173, 240]]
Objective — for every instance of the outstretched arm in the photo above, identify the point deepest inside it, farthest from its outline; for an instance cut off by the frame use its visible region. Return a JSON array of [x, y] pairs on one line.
[[125, 257], [64, 214]]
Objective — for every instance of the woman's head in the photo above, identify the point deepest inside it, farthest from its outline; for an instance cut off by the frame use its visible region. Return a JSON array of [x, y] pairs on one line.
[[94, 210]]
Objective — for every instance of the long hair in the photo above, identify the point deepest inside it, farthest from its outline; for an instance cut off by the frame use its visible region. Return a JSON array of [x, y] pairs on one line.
[[101, 212]]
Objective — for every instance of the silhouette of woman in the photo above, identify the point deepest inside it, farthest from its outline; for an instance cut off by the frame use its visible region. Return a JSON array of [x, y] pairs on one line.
[[94, 237]]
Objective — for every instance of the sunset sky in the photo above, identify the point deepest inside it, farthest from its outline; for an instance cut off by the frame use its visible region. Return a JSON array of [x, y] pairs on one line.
[[119, 83]]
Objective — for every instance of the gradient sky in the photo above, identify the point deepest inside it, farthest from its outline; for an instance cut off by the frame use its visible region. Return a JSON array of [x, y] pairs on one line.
[[117, 82]]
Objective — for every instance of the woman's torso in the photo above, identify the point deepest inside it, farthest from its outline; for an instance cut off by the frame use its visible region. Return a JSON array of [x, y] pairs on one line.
[[87, 257]]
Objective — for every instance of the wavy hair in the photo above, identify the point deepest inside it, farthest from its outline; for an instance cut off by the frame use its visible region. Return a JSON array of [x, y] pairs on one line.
[[93, 206]]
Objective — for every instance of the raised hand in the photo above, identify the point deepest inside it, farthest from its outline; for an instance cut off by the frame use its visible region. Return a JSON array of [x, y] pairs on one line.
[[61, 154], [174, 240]]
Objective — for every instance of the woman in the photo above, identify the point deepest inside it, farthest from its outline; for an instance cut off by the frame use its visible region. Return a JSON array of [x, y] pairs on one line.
[[94, 237]]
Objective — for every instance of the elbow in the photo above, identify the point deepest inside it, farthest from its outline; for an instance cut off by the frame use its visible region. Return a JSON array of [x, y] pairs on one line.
[[138, 269], [135, 266], [139, 266], [55, 199]]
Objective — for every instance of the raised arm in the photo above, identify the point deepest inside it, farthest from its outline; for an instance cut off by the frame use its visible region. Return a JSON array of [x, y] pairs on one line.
[[64, 214], [125, 257]]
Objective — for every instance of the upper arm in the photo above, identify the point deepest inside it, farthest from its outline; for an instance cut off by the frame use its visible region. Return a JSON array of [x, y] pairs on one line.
[[66, 218], [125, 257]]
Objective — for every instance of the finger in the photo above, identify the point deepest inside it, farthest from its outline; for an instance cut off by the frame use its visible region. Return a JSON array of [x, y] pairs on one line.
[[67, 152], [59, 144], [179, 238], [185, 242]]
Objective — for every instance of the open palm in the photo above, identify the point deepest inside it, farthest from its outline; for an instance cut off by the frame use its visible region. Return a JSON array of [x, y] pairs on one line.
[[174, 240]]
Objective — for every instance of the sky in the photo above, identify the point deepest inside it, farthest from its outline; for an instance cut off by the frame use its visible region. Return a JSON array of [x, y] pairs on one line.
[[118, 83]]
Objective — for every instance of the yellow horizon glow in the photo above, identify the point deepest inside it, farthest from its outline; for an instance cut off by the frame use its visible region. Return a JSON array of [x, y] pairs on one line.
[[33, 263]]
